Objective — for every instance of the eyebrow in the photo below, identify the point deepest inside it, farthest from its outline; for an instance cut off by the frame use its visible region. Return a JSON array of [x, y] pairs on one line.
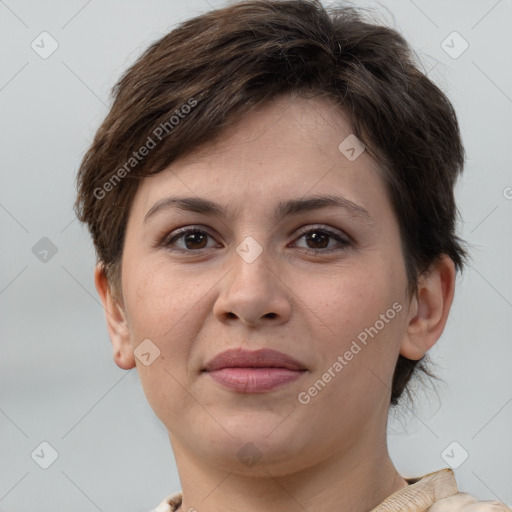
[[283, 209]]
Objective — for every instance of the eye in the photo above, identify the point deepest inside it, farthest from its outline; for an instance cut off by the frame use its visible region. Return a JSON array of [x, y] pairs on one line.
[[318, 240], [193, 239]]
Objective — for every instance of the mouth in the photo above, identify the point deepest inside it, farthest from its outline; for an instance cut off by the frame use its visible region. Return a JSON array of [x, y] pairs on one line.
[[256, 371]]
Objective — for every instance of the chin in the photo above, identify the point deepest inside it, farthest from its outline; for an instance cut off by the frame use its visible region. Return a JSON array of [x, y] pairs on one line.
[[257, 445], [258, 459]]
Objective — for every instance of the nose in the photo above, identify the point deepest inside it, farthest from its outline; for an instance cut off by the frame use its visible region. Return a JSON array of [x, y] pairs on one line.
[[253, 293]]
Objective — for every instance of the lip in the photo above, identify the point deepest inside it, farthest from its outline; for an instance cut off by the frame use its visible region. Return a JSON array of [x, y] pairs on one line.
[[253, 371], [263, 358]]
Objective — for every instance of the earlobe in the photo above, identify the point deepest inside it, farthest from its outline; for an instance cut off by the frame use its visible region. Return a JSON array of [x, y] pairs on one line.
[[116, 321], [429, 309]]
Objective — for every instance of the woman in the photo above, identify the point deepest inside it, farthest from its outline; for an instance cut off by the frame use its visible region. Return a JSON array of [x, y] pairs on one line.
[[271, 201]]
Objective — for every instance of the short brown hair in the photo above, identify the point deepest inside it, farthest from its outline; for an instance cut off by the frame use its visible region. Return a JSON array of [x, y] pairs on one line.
[[212, 69]]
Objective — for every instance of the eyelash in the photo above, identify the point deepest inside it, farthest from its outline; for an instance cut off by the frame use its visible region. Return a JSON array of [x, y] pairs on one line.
[[344, 242]]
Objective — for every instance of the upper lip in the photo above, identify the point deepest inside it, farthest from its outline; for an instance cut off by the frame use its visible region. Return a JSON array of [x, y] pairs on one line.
[[263, 358]]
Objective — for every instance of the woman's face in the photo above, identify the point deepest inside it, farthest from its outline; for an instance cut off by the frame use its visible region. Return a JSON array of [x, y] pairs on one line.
[[325, 286]]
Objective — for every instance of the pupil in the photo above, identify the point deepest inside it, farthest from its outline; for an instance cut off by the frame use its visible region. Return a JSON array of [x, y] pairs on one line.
[[314, 237], [191, 238]]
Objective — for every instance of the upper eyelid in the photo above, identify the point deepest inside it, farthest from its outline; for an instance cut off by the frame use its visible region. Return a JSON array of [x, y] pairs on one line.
[[322, 227], [304, 229], [179, 232]]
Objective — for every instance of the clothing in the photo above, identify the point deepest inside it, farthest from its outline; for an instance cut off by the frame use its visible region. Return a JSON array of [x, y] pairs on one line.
[[435, 492]]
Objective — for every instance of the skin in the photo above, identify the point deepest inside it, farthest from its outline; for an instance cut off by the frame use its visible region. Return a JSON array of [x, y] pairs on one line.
[[333, 449]]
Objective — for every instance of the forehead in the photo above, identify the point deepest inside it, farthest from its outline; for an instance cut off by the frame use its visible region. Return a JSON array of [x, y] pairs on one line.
[[284, 148]]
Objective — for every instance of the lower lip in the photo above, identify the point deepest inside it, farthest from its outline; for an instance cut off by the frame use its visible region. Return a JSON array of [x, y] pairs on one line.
[[255, 380]]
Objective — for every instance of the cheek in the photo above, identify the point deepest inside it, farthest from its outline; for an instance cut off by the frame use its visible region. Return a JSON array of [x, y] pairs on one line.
[[348, 300], [163, 307], [160, 298], [358, 339], [362, 313]]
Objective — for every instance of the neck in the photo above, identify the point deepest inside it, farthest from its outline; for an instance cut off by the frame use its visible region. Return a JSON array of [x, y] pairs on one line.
[[359, 479]]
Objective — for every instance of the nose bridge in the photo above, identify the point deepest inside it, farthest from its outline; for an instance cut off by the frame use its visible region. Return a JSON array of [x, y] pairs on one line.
[[252, 291], [251, 274]]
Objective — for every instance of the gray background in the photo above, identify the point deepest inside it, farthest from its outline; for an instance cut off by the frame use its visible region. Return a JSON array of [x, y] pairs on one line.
[[58, 382]]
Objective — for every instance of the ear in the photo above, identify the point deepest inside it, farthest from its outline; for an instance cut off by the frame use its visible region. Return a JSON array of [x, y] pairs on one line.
[[116, 321], [429, 309]]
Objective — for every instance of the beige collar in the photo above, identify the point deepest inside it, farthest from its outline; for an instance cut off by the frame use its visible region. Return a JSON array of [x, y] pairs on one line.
[[421, 493]]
